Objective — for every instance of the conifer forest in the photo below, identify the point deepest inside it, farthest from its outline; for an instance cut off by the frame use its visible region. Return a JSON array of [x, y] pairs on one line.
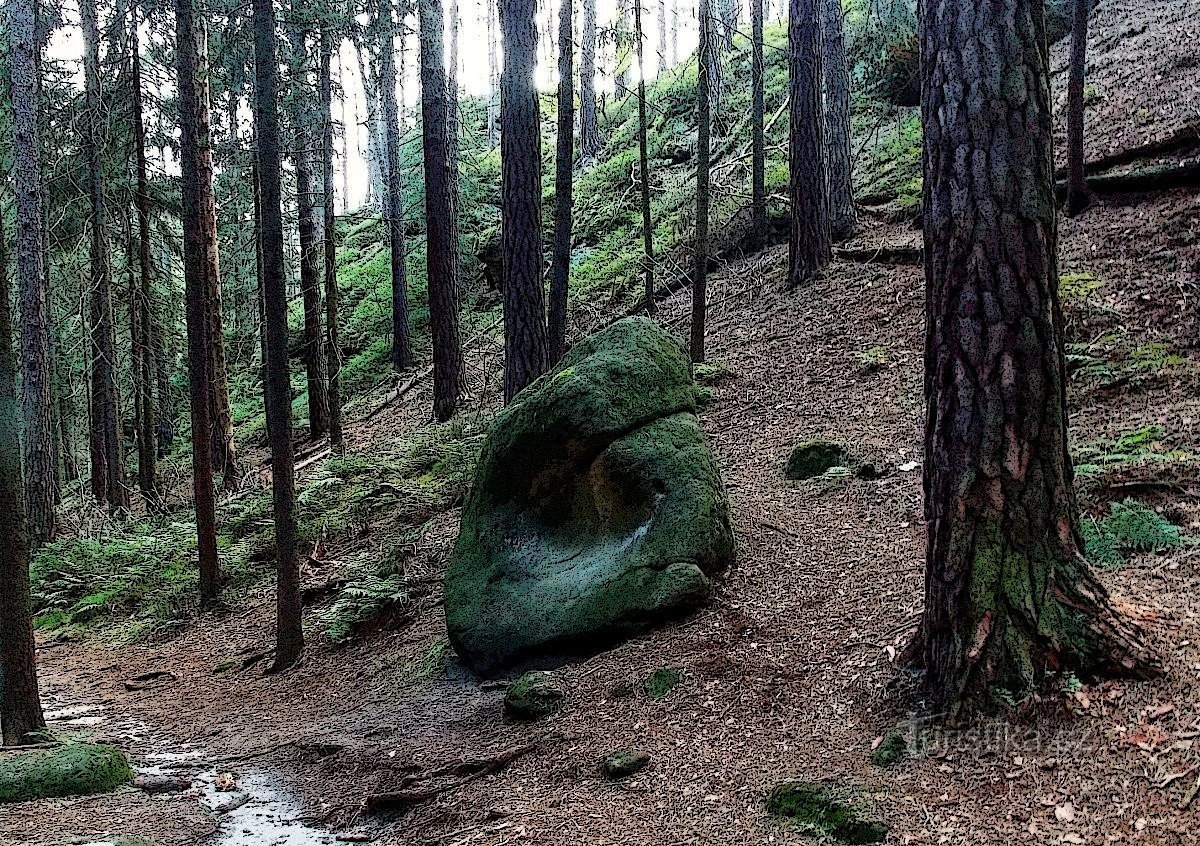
[[558, 422]]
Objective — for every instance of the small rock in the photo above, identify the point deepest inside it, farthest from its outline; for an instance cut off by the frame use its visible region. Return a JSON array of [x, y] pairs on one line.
[[159, 784], [891, 750], [623, 763], [622, 690], [825, 808], [535, 695], [661, 682], [814, 458]]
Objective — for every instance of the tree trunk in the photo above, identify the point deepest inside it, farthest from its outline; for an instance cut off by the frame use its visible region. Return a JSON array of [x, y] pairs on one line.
[[20, 707], [589, 130], [310, 260], [703, 133], [40, 460], [107, 449], [333, 347], [758, 153], [277, 387], [453, 128], [142, 347], [1008, 596], [564, 155], [441, 242], [1079, 197], [675, 33], [402, 357], [842, 216], [662, 36], [727, 11], [525, 347], [198, 240], [644, 162], [811, 246], [493, 103]]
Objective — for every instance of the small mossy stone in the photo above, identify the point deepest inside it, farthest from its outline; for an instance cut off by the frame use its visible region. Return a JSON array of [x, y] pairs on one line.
[[813, 458], [823, 809], [623, 763], [661, 682], [891, 750], [534, 695], [624, 689], [73, 769]]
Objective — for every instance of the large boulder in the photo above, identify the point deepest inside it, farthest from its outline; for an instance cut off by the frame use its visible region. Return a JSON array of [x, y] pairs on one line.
[[72, 769], [596, 512]]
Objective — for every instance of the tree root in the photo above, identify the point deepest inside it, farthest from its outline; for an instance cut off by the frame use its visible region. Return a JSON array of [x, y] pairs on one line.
[[459, 774], [1182, 174], [1183, 140]]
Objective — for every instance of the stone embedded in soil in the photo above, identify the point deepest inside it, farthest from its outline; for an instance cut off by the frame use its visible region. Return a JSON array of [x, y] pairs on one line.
[[814, 458], [597, 510], [72, 769], [159, 784], [534, 695], [891, 750], [827, 809], [661, 682], [623, 763]]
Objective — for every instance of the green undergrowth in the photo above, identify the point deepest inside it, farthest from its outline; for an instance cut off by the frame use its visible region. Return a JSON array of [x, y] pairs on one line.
[[1145, 447], [1113, 360], [1129, 527]]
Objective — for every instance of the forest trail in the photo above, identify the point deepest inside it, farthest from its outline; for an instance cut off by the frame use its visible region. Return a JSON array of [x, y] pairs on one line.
[[791, 671]]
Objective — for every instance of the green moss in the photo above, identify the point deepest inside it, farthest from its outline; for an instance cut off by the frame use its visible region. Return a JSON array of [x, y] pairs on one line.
[[661, 682], [822, 809], [891, 750], [814, 458], [1129, 527], [73, 769], [623, 763], [534, 695]]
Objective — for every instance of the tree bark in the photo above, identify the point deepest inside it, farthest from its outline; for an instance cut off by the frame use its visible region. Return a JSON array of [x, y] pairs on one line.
[[703, 133], [758, 153], [493, 103], [333, 350], [289, 643], [1008, 596], [402, 356], [644, 163], [589, 130], [842, 216], [1079, 197], [564, 178], [198, 240], [811, 245], [36, 378], [525, 346], [441, 240]]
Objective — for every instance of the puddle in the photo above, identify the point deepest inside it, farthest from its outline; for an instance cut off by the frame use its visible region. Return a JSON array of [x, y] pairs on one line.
[[258, 812]]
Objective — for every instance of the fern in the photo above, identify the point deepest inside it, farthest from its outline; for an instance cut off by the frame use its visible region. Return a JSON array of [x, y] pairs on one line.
[[1129, 527]]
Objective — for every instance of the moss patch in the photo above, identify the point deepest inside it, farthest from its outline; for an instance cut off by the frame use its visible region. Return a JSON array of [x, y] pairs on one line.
[[813, 458], [661, 682], [73, 769], [891, 750], [533, 696], [821, 808]]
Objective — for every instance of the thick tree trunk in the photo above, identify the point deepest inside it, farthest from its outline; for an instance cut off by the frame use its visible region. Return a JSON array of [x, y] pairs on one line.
[[142, 346], [277, 387], [564, 178], [525, 347], [842, 216], [1079, 197], [589, 129], [758, 152], [333, 347], [393, 205], [20, 707], [107, 449], [441, 241], [810, 246], [644, 162], [310, 260], [1008, 596], [198, 240], [703, 135], [36, 378]]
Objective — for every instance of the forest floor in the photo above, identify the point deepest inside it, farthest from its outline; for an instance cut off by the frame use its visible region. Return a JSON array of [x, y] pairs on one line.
[[791, 672]]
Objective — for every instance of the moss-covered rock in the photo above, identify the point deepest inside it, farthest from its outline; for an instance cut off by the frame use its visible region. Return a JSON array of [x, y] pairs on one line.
[[824, 809], [891, 750], [533, 696], [73, 769], [813, 458], [661, 682], [597, 510], [623, 763]]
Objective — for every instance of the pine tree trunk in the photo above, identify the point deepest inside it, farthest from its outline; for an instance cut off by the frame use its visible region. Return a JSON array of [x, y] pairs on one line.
[[493, 103], [758, 153], [20, 706], [402, 357], [197, 242], [1008, 595], [662, 35], [810, 247], [564, 155], [142, 345], [277, 387], [525, 346], [310, 259], [333, 347], [644, 163], [727, 11], [441, 242], [703, 140], [36, 378], [589, 130], [453, 129], [349, 118], [675, 33], [842, 216], [1079, 197]]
